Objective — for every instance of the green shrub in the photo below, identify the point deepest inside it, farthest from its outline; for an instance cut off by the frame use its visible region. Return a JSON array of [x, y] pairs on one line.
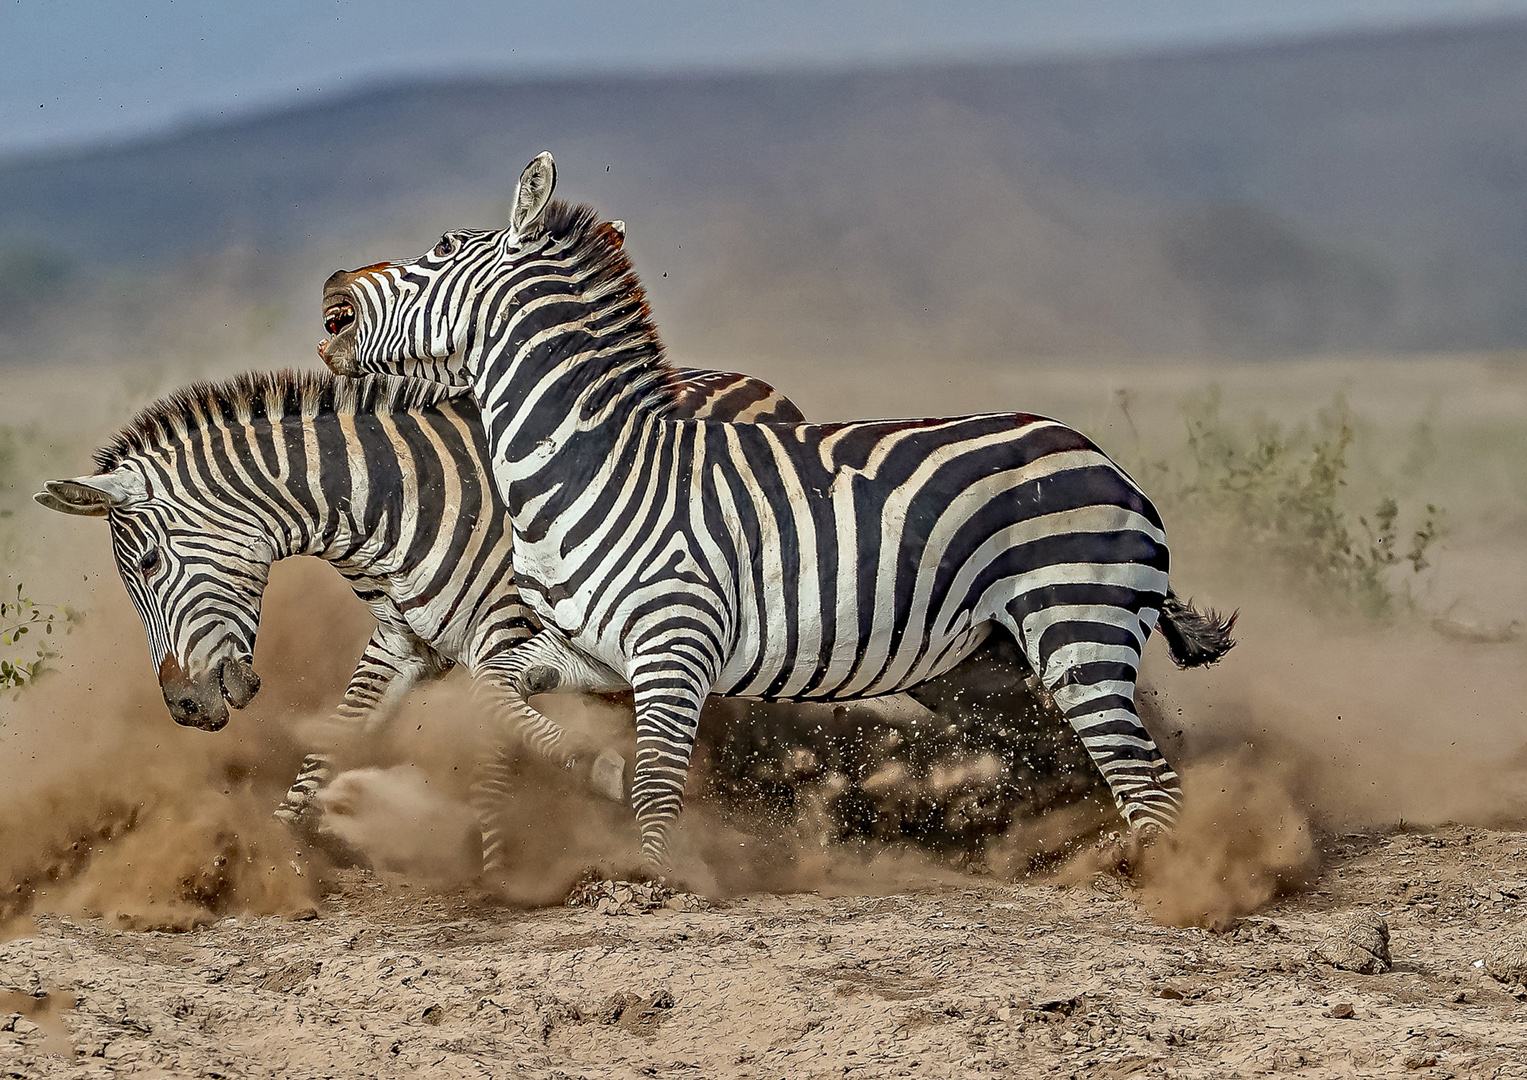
[[1278, 495], [27, 639], [28, 628]]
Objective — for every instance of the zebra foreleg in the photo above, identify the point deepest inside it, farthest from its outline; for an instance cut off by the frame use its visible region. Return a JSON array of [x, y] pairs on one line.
[[391, 665], [547, 664], [669, 695], [512, 722]]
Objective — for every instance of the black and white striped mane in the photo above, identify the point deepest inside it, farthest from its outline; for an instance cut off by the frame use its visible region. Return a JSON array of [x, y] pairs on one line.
[[269, 395], [609, 280]]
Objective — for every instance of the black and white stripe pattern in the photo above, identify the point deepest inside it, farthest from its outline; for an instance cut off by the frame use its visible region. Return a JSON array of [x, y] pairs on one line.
[[384, 478], [802, 562]]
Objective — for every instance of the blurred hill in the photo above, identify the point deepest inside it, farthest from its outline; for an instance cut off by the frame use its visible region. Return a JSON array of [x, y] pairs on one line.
[[1353, 194]]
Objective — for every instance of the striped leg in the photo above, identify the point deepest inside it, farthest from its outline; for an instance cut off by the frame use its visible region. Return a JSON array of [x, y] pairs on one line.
[[670, 690], [391, 665], [1089, 656], [298, 810], [490, 787]]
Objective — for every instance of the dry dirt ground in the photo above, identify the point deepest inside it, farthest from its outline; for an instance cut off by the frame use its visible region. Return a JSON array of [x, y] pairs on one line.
[[1037, 978]]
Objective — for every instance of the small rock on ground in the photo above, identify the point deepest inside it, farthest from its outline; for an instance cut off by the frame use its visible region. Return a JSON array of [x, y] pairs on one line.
[[1507, 959], [1358, 943], [631, 897]]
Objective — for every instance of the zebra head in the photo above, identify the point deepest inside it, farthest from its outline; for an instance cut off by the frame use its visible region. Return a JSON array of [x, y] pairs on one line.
[[416, 318], [197, 589]]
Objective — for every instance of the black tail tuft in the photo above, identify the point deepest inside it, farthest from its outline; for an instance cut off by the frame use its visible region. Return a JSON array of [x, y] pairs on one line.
[[1194, 638]]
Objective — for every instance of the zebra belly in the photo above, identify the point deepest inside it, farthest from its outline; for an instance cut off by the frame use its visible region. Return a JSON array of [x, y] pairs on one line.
[[779, 674]]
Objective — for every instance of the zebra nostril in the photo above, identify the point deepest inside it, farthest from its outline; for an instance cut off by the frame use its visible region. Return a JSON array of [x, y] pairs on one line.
[[188, 705]]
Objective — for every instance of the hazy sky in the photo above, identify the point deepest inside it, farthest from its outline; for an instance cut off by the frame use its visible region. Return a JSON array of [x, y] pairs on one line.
[[76, 71]]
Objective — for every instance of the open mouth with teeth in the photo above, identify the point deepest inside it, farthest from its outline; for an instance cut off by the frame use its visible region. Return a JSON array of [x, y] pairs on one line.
[[338, 318]]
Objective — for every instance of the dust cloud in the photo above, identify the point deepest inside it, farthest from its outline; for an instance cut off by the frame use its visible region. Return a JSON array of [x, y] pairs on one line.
[[1310, 727], [45, 1009], [1316, 725], [1243, 838], [110, 808], [400, 822]]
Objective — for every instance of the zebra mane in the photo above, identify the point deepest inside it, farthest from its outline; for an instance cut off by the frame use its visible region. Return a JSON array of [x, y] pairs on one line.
[[264, 395], [611, 282]]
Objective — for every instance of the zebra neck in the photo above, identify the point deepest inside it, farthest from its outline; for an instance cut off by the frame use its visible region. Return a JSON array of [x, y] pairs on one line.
[[336, 493], [561, 389]]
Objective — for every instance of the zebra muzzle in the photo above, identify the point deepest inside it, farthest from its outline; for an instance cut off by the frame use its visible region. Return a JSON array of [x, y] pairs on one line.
[[238, 681], [192, 702], [203, 703], [338, 355]]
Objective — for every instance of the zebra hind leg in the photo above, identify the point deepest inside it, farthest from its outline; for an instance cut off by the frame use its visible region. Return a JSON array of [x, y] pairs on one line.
[[1089, 664]]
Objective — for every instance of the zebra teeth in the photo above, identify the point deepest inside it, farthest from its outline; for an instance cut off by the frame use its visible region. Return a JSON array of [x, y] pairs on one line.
[[338, 316]]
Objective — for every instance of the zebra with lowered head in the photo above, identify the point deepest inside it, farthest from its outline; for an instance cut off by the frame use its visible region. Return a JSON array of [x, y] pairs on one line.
[[387, 480], [682, 557]]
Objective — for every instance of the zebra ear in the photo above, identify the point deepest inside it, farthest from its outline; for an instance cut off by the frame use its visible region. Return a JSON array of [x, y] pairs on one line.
[[532, 193], [88, 496], [53, 502]]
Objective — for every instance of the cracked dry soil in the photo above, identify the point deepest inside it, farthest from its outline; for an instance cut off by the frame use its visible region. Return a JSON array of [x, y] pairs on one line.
[[1024, 980]]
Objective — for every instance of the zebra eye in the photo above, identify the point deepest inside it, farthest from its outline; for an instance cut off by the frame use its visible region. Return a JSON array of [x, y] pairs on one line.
[[446, 247], [150, 561]]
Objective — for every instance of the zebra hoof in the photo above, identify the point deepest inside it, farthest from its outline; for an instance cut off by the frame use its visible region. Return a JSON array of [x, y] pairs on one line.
[[339, 851], [1149, 835], [608, 776], [1137, 845], [302, 821], [307, 828]]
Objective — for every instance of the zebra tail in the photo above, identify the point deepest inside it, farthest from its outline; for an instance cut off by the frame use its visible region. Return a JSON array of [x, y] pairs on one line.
[[1194, 638]]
